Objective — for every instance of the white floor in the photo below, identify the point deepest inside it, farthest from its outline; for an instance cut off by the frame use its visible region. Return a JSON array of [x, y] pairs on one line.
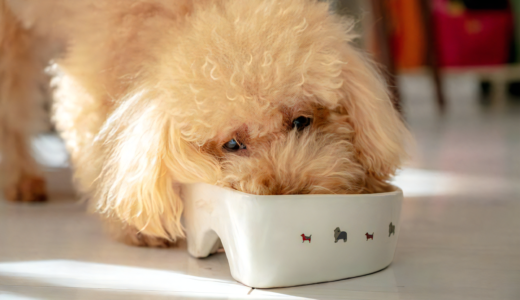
[[460, 234]]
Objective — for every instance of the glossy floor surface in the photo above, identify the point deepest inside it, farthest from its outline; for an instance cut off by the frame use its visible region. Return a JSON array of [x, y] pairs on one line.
[[460, 226]]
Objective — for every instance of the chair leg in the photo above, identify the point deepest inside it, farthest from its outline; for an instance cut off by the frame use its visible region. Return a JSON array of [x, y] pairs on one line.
[[431, 53], [382, 20]]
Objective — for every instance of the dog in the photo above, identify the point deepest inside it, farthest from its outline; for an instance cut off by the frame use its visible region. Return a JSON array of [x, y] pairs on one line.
[[267, 97], [369, 236], [339, 235], [391, 229], [306, 238]]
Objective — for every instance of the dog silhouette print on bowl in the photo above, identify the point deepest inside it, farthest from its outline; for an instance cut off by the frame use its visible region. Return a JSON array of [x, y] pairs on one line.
[[278, 241]]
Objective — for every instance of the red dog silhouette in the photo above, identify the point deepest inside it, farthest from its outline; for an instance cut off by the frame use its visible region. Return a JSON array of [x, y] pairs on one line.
[[306, 238], [370, 236]]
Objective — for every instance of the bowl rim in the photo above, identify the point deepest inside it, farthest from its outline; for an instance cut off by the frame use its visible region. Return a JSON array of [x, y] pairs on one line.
[[397, 192]]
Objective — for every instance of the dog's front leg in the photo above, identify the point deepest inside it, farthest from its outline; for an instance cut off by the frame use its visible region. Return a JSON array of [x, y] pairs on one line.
[[20, 71]]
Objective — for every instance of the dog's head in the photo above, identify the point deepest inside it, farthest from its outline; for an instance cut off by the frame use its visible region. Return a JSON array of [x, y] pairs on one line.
[[273, 98], [265, 97]]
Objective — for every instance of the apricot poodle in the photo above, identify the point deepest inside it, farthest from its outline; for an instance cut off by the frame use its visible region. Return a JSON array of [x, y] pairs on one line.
[[262, 96]]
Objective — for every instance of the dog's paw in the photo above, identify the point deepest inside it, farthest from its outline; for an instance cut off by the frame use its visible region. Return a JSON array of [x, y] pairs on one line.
[[29, 188], [131, 236], [143, 240]]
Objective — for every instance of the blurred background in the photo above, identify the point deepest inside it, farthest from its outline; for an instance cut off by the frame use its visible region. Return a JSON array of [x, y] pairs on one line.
[[453, 67], [444, 37]]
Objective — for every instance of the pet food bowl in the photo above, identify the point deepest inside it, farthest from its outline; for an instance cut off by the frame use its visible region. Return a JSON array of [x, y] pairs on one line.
[[278, 241]]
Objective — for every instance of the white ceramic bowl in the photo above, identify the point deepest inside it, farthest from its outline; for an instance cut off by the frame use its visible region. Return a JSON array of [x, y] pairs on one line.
[[266, 238]]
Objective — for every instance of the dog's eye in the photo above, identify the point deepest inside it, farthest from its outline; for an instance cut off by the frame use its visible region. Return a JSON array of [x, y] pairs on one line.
[[301, 122], [233, 146]]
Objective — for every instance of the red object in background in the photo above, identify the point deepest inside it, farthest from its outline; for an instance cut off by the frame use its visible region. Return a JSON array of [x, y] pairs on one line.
[[471, 38]]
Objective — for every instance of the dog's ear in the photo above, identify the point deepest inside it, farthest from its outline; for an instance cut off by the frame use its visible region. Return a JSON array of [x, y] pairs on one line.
[[379, 132], [145, 156]]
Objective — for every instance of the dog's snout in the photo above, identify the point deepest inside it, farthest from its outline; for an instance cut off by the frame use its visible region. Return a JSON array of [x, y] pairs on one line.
[[274, 186], [302, 163]]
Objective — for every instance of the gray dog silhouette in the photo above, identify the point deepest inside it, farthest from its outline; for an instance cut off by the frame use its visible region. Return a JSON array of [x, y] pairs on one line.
[[340, 235]]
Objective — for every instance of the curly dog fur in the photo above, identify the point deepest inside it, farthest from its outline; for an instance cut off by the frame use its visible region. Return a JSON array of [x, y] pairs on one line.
[[147, 93]]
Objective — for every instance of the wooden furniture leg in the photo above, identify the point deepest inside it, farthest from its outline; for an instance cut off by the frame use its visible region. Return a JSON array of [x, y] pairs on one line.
[[381, 17], [431, 53]]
